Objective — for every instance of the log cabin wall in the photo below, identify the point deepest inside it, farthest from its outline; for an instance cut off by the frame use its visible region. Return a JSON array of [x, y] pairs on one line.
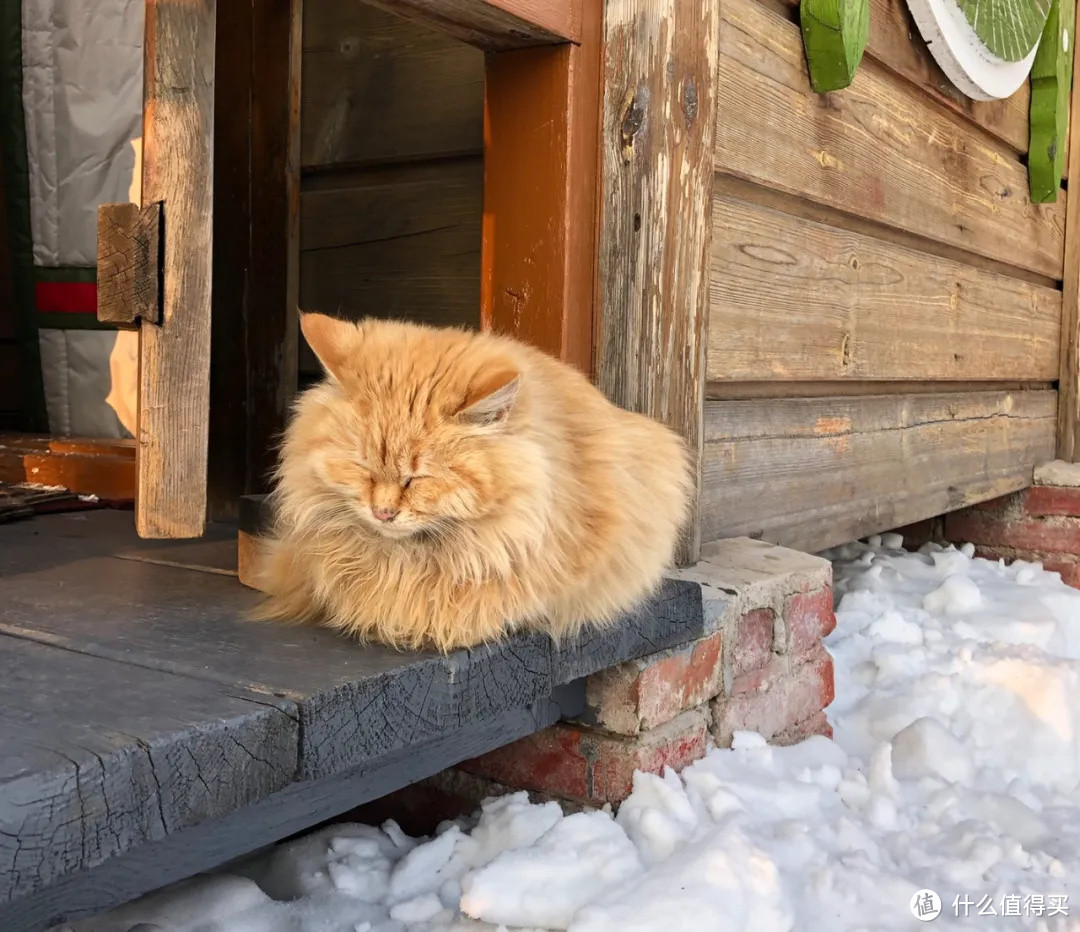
[[392, 169], [885, 301]]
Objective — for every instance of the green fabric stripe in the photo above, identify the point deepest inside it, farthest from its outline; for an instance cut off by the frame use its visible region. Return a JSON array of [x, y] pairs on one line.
[[65, 273], [17, 197], [45, 320]]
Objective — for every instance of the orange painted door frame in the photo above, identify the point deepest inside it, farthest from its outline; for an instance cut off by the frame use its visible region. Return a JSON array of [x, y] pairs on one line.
[[541, 136]]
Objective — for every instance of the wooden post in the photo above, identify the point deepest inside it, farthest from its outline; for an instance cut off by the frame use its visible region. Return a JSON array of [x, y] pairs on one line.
[[256, 244], [1068, 422], [659, 116], [174, 356], [541, 119]]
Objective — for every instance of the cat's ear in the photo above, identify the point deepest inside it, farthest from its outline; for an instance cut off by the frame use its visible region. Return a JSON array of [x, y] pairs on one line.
[[490, 398], [330, 339]]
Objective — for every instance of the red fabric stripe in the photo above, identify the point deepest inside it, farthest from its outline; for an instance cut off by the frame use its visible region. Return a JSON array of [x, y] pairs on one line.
[[66, 297]]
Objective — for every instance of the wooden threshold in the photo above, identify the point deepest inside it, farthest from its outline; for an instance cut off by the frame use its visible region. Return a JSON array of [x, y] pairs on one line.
[[496, 25], [105, 468]]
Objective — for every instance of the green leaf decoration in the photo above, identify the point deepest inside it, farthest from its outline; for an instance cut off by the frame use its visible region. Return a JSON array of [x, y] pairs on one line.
[[1008, 28], [834, 35], [1051, 77]]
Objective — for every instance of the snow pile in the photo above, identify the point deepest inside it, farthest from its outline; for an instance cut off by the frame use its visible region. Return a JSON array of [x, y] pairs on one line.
[[955, 768]]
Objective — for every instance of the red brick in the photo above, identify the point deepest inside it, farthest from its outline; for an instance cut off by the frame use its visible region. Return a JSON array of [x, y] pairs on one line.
[[781, 700], [816, 724], [1051, 500], [808, 617], [754, 637], [1046, 535], [590, 766], [645, 693]]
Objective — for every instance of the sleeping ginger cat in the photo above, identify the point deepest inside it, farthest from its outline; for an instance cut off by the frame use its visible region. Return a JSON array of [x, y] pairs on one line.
[[442, 488]]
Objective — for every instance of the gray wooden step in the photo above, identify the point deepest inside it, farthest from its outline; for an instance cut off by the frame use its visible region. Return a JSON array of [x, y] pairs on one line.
[[150, 732]]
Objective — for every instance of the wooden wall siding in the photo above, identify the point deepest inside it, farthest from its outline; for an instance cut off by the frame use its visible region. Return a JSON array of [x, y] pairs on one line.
[[392, 129], [379, 88], [793, 299], [895, 42], [881, 149], [399, 242], [812, 473]]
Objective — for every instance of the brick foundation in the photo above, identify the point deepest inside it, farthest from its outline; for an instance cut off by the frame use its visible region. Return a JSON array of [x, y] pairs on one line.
[[1037, 524], [760, 666]]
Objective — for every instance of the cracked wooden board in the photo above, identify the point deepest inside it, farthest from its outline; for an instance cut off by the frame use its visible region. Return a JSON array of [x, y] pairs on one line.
[[127, 655], [809, 473], [99, 757]]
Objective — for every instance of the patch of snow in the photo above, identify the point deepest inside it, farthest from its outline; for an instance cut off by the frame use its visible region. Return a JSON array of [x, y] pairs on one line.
[[955, 768]]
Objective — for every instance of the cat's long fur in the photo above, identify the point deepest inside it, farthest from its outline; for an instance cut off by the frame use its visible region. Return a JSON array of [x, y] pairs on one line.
[[533, 501]]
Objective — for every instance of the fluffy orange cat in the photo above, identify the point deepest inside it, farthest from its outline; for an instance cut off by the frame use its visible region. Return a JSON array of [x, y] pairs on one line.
[[442, 488]]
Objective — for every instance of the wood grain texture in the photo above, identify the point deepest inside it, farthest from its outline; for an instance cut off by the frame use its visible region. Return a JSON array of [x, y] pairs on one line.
[[895, 42], [496, 25], [400, 242], [128, 267], [174, 358], [809, 473], [792, 299], [659, 116], [105, 468], [538, 266], [296, 808], [879, 150], [355, 702], [378, 88], [103, 756], [171, 716], [1068, 420]]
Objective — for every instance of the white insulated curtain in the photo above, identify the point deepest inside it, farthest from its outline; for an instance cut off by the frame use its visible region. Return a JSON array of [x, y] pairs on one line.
[[82, 95], [82, 98]]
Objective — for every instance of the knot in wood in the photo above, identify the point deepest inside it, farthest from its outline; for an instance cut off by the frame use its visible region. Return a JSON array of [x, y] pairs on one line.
[[690, 101], [633, 119]]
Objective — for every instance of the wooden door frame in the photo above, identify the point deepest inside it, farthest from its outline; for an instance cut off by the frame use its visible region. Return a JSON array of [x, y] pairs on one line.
[[207, 430]]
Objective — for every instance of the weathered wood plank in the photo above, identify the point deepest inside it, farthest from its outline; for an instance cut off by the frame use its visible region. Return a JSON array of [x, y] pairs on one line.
[[811, 473], [401, 242], [1068, 419], [879, 149], [538, 253], [174, 358], [298, 807], [379, 88], [128, 270], [659, 115], [795, 300], [496, 25], [355, 703], [100, 757], [895, 42], [318, 722]]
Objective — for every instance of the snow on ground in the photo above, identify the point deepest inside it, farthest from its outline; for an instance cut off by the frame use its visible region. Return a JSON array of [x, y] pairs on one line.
[[955, 768]]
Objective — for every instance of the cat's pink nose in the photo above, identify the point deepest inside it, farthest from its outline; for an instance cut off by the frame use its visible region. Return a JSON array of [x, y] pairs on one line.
[[384, 514]]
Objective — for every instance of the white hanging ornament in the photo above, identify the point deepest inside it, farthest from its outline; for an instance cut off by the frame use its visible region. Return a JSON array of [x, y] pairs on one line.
[[985, 47]]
